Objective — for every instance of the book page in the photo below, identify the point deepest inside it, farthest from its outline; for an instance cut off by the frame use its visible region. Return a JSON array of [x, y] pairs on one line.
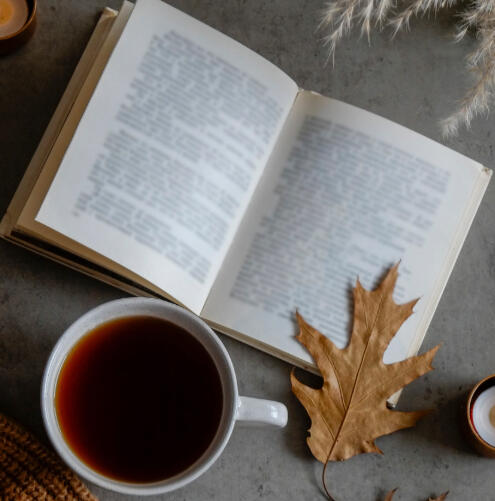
[[169, 151], [93, 48], [346, 194]]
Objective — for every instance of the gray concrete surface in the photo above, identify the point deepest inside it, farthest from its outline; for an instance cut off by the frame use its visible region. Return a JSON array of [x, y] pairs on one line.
[[414, 80]]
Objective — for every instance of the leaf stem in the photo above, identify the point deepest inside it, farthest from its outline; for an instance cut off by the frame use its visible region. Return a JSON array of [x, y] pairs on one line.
[[329, 496]]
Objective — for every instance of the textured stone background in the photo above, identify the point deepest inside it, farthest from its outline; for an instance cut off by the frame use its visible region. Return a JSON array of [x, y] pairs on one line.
[[414, 81]]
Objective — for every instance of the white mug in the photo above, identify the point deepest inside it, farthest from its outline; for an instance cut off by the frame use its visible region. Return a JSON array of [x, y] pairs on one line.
[[235, 407]]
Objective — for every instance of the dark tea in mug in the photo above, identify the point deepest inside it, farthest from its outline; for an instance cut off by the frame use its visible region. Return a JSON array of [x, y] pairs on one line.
[[139, 399]]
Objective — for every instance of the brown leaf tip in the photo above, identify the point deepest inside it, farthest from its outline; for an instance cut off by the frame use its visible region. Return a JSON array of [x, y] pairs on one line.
[[390, 495], [440, 498]]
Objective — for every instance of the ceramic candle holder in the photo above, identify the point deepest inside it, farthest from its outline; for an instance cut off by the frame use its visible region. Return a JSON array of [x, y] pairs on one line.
[[13, 41], [482, 446]]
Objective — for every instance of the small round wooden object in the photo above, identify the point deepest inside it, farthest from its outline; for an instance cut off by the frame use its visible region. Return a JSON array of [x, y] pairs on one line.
[[484, 448], [20, 37]]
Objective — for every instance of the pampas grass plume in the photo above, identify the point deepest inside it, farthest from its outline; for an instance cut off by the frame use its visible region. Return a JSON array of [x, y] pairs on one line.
[[478, 17]]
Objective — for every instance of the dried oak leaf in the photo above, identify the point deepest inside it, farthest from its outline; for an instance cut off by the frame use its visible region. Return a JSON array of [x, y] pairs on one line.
[[390, 496], [350, 410]]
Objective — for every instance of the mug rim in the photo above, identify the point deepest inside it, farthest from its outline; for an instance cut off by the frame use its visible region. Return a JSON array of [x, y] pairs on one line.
[[127, 307]]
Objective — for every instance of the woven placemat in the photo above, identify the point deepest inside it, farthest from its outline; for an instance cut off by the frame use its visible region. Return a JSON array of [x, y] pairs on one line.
[[30, 471]]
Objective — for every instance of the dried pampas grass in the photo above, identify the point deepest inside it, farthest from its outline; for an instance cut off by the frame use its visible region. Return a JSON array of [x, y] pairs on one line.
[[478, 17]]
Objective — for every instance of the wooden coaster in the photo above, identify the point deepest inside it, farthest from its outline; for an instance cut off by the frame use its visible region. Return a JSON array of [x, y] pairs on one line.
[[29, 471]]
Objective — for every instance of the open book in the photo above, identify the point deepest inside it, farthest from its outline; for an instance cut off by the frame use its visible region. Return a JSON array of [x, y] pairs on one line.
[[183, 165]]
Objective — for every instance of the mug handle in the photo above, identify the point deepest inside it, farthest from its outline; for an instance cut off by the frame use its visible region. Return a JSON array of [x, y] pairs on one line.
[[260, 412]]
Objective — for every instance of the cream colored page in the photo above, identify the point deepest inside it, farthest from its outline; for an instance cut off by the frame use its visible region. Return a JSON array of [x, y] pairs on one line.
[[169, 151], [346, 194]]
